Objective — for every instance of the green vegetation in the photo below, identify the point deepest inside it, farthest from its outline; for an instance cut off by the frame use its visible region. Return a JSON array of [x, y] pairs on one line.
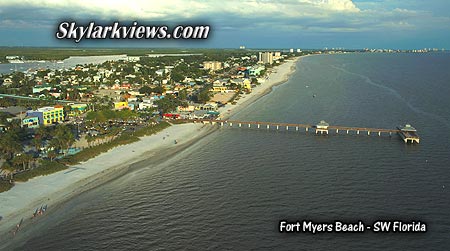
[[45, 53], [169, 103], [46, 167], [5, 185], [104, 115], [124, 139]]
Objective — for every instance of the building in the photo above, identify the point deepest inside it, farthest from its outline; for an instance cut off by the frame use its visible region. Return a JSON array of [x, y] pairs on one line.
[[30, 122], [322, 127], [291, 50], [212, 65], [48, 115], [266, 57], [244, 83], [276, 55], [133, 58], [256, 71], [40, 88], [121, 105], [77, 109]]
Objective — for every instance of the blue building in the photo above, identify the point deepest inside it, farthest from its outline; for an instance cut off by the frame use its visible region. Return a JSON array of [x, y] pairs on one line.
[[30, 122]]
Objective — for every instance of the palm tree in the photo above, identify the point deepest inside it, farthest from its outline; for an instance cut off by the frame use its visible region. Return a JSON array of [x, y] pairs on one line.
[[9, 145], [51, 154], [37, 143], [19, 160]]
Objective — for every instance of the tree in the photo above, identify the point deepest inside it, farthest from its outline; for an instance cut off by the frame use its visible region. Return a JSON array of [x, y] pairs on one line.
[[182, 95], [51, 154], [146, 90], [37, 143], [203, 96], [168, 103], [9, 144]]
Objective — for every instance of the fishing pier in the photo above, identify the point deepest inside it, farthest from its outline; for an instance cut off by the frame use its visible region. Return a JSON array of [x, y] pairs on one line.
[[407, 133]]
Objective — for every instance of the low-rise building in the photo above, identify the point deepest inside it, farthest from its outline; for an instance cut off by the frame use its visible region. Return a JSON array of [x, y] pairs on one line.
[[30, 122], [212, 65], [77, 109], [40, 88], [121, 105], [48, 115]]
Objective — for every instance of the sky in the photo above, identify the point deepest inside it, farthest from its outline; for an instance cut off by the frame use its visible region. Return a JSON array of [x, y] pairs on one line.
[[396, 24]]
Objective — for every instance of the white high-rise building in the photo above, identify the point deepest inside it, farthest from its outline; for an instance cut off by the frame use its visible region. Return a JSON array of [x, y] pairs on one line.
[[266, 57]]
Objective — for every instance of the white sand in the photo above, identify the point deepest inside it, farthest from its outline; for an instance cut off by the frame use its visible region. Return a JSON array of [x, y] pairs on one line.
[[24, 198]]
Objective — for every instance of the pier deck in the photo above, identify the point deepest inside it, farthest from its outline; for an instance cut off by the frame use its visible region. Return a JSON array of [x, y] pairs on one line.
[[408, 135]]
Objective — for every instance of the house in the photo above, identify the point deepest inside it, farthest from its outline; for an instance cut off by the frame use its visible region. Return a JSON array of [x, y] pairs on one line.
[[125, 86], [210, 106], [76, 109], [244, 83], [189, 108], [40, 88], [221, 89], [145, 105], [7, 81]]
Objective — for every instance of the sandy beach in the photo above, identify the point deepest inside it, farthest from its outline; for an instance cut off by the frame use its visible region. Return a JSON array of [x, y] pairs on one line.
[[21, 201]]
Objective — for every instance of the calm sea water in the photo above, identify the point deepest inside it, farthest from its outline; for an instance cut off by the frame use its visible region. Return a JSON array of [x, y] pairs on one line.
[[229, 190]]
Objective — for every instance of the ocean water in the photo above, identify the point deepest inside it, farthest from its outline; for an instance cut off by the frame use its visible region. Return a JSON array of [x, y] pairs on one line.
[[229, 190]]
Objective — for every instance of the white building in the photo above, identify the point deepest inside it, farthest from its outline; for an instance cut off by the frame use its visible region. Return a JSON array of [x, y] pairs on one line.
[[266, 57]]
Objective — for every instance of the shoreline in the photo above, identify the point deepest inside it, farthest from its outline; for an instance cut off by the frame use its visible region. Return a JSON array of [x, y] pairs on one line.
[[55, 189], [280, 75]]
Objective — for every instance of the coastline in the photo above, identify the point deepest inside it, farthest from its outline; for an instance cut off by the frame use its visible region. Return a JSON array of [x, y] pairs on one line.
[[21, 201], [280, 74]]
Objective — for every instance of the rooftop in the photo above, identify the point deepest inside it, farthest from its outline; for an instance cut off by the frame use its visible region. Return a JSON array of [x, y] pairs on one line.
[[408, 127]]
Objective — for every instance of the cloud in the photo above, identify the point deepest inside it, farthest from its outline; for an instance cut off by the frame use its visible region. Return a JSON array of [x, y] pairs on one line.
[[306, 15]]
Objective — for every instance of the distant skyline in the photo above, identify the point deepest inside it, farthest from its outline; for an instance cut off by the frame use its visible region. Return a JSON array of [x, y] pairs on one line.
[[395, 24]]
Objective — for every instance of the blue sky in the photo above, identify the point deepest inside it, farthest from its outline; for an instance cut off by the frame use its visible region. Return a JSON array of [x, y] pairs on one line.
[[404, 24]]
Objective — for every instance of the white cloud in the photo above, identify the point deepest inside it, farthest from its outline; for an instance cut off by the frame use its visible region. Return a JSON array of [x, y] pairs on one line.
[[187, 9], [312, 15]]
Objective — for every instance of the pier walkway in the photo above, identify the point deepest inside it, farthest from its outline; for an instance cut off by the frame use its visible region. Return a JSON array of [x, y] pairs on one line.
[[407, 133]]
